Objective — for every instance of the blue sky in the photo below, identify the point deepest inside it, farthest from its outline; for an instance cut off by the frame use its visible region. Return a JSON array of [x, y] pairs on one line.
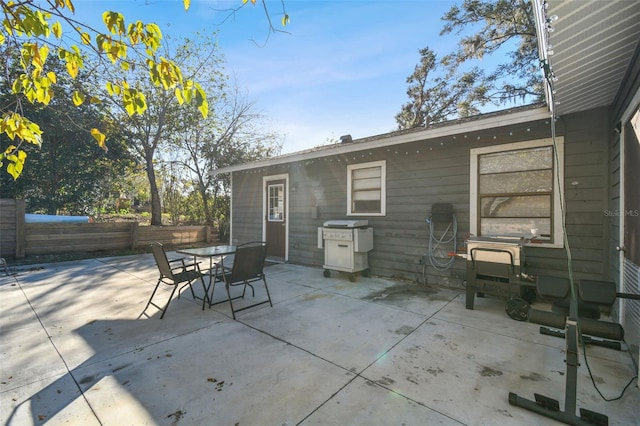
[[340, 69]]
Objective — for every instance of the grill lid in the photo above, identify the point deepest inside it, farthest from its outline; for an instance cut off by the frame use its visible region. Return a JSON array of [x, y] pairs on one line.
[[346, 223]]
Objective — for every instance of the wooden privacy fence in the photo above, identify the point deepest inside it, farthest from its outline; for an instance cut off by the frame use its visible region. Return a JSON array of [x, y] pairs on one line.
[[19, 239]]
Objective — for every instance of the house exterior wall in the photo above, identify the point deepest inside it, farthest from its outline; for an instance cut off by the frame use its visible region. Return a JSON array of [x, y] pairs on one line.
[[625, 106], [627, 312], [246, 208], [420, 174], [586, 178], [625, 207]]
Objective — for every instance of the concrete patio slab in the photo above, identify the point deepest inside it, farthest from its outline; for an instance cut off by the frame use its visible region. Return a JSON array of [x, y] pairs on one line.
[[439, 362], [39, 403], [27, 355], [99, 340], [331, 326], [15, 311], [382, 407], [221, 377], [329, 352]]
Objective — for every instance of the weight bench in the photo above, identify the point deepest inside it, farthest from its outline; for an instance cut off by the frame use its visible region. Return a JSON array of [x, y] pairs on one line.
[[600, 293], [594, 297], [558, 288]]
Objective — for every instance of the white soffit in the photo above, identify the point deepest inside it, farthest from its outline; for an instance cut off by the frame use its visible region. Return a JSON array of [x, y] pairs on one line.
[[593, 43]]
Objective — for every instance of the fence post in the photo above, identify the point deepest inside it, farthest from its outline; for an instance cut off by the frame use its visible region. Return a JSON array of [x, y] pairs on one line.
[[20, 229], [134, 235]]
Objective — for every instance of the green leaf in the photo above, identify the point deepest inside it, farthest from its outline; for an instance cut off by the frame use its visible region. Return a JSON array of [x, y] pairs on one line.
[[179, 97], [114, 22], [78, 98], [201, 100], [16, 163], [204, 108], [98, 136], [57, 29], [129, 107]]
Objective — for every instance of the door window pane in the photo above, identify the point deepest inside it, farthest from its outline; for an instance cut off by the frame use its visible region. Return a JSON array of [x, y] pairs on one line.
[[276, 202]]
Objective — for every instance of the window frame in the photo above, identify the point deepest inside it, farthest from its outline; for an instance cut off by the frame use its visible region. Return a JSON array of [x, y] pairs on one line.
[[557, 240], [281, 204], [383, 187]]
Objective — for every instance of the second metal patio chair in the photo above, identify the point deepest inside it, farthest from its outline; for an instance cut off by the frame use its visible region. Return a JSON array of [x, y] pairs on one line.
[[174, 275], [248, 268]]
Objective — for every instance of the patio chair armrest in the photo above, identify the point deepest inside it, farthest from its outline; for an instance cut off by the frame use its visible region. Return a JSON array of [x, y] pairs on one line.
[[180, 259], [194, 265], [184, 266], [180, 266]]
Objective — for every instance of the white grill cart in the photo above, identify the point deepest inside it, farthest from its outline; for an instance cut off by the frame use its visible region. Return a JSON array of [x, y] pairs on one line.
[[346, 245]]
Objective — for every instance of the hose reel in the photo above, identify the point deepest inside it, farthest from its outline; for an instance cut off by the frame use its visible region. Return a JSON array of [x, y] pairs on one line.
[[441, 246]]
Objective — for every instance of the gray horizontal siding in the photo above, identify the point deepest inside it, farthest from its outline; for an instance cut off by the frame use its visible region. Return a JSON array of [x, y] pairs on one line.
[[586, 193], [420, 174], [246, 219]]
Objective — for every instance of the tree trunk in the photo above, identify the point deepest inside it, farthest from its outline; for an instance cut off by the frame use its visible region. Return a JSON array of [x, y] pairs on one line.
[[206, 205], [156, 206]]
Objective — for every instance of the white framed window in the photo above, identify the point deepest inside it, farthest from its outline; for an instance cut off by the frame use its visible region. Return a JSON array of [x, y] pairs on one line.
[[366, 189], [515, 193]]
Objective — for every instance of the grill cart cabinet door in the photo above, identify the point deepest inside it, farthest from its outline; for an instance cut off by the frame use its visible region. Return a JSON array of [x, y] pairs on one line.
[[338, 255]]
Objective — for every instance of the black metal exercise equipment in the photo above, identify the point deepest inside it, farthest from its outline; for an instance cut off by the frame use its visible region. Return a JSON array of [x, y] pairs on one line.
[[591, 293], [496, 266]]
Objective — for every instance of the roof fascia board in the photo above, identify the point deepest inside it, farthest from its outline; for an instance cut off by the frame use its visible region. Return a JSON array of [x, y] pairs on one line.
[[630, 86], [490, 122]]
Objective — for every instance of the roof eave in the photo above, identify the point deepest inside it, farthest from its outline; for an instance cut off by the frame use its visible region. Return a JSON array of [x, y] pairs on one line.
[[390, 139]]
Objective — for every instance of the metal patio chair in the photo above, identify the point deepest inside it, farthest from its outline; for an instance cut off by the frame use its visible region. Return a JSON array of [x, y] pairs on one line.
[[174, 272], [248, 268]]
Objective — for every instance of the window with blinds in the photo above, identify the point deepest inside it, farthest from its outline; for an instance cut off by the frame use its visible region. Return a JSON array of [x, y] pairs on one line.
[[515, 193], [514, 190], [366, 188]]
